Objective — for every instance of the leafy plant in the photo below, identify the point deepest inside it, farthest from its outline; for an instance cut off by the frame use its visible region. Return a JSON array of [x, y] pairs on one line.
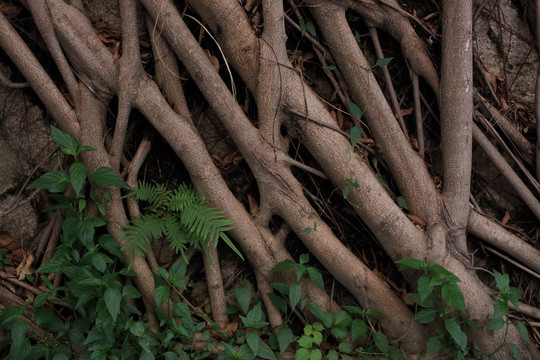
[[180, 216]]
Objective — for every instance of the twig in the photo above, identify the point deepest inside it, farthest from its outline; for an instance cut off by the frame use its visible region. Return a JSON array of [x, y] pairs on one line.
[[418, 113], [5, 80]]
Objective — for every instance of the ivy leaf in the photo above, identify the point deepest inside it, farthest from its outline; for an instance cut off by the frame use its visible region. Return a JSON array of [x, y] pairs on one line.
[[112, 299], [105, 176], [383, 61], [66, 142], [356, 133], [53, 181], [77, 176]]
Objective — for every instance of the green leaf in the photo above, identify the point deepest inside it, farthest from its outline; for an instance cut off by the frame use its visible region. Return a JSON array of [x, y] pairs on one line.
[[177, 273], [373, 312], [84, 148], [278, 302], [459, 337], [383, 61], [402, 202], [311, 29], [345, 347], [502, 281], [516, 351], [410, 263], [514, 295], [302, 25], [255, 318], [381, 341], [358, 328], [283, 265], [342, 319], [316, 277], [424, 287], [85, 232], [345, 192], [43, 315], [356, 134], [302, 354], [339, 332], [243, 296], [331, 67], [18, 333], [99, 261], [105, 176], [434, 346], [51, 266], [453, 296], [253, 340], [500, 309], [295, 293], [40, 300], [318, 312], [522, 331], [355, 110], [53, 181], [281, 287], [305, 231], [285, 337], [496, 323], [162, 294], [137, 328], [66, 142], [305, 341], [304, 259], [112, 299], [77, 176], [265, 352], [131, 292], [353, 184], [425, 316]]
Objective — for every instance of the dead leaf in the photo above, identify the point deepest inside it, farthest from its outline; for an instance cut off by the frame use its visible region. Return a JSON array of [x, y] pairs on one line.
[[228, 159], [341, 119], [253, 206], [25, 267], [408, 111], [506, 218], [214, 60]]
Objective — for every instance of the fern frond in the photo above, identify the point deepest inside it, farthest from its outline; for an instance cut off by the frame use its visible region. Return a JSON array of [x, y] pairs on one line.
[[143, 231], [154, 194], [181, 197], [208, 223], [177, 234]]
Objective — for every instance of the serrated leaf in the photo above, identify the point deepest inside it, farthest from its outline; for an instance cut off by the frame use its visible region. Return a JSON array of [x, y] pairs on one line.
[[425, 316], [302, 354], [66, 142], [495, 323], [253, 340], [161, 294], [502, 281], [40, 300], [522, 331], [285, 337], [339, 332], [516, 351], [105, 176], [281, 287], [434, 346], [43, 315], [112, 299], [77, 176], [283, 265], [453, 296], [295, 293], [243, 296], [316, 277], [356, 134], [500, 309], [383, 61], [53, 181], [459, 337], [131, 292], [136, 328], [345, 347], [99, 261], [342, 319], [381, 341], [18, 333], [265, 352], [355, 110], [424, 287], [410, 263], [278, 302], [358, 328], [318, 312]]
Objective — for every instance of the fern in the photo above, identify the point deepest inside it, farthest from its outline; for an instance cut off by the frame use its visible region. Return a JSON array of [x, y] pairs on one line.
[[180, 216]]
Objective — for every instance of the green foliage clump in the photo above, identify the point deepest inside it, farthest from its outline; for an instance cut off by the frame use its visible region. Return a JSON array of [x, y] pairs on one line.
[[180, 216]]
